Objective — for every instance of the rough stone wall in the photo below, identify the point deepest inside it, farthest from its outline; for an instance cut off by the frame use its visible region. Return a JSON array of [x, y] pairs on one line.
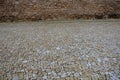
[[58, 9]]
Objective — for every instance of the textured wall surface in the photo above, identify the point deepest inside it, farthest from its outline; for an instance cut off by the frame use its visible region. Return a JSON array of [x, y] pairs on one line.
[[58, 9]]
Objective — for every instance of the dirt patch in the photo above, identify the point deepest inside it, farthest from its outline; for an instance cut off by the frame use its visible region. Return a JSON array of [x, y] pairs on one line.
[[12, 10]]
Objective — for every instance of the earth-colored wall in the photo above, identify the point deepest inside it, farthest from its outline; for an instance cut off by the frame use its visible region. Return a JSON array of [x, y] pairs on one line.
[[58, 9]]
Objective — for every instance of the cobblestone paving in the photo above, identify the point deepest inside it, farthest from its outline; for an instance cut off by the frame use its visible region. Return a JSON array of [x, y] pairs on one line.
[[60, 50]]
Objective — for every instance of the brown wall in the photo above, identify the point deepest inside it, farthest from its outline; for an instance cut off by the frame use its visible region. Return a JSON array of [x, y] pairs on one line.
[[58, 9]]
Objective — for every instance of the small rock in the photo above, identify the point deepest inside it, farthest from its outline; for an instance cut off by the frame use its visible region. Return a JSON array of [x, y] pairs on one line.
[[80, 73], [53, 73], [106, 59], [99, 60], [25, 61], [63, 75], [89, 65], [33, 79], [76, 74], [48, 51], [53, 62], [22, 70], [58, 77], [34, 75], [68, 73], [57, 48], [15, 78], [38, 50], [44, 77]]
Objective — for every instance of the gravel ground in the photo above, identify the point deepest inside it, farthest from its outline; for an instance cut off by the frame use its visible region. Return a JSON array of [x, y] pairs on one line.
[[60, 50]]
